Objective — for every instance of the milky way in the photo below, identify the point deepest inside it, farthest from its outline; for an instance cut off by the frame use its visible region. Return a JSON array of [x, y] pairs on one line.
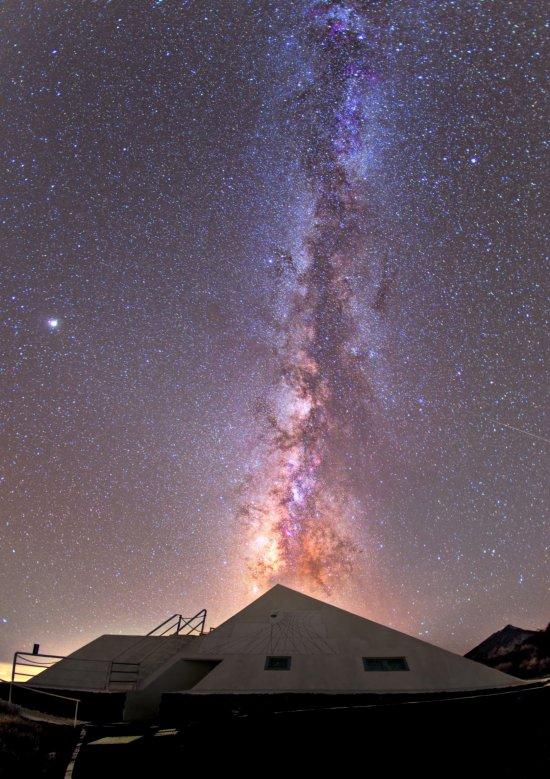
[[298, 522], [275, 295]]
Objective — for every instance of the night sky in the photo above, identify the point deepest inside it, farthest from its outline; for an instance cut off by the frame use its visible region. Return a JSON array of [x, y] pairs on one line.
[[273, 310]]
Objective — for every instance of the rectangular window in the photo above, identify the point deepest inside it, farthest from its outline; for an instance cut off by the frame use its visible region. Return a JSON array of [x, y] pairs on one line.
[[385, 664], [277, 663]]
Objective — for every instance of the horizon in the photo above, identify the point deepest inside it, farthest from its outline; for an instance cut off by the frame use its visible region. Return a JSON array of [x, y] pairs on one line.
[[72, 644]]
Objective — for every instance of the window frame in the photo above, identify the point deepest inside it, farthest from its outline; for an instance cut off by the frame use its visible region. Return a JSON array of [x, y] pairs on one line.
[[384, 663], [268, 667]]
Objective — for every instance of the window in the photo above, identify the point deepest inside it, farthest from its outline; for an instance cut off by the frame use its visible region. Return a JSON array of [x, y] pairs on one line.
[[277, 663], [385, 664]]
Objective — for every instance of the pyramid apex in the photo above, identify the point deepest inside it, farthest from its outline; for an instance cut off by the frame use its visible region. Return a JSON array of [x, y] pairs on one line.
[[278, 587]]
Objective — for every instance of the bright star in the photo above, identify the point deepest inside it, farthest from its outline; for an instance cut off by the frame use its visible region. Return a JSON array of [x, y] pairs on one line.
[[53, 323]]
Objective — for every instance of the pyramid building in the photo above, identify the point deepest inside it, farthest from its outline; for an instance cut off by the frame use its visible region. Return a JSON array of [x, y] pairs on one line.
[[327, 649], [283, 642]]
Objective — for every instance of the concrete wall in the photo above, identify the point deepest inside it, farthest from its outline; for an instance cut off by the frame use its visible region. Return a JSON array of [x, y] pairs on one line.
[[88, 667], [182, 675], [327, 645]]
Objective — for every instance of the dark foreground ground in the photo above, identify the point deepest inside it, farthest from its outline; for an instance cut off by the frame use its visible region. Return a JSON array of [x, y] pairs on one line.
[[501, 735], [33, 749], [496, 736]]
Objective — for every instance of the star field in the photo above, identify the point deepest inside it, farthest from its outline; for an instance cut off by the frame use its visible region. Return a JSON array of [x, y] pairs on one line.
[[153, 178]]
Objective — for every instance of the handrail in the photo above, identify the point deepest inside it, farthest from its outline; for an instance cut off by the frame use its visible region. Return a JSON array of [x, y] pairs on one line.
[[162, 624], [178, 626], [108, 665], [25, 659], [176, 623], [182, 623], [201, 616], [76, 701], [132, 673]]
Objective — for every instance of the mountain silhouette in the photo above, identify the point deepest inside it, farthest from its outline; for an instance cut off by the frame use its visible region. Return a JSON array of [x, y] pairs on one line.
[[519, 652]]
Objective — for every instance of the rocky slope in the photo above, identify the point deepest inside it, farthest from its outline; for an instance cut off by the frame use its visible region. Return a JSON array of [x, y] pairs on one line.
[[522, 653]]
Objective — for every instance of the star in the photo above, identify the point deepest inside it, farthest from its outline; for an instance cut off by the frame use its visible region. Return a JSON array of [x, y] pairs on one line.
[[300, 247]]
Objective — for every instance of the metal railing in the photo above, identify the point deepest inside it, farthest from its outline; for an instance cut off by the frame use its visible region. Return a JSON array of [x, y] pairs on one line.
[[177, 624], [120, 672], [30, 660], [27, 688], [116, 671]]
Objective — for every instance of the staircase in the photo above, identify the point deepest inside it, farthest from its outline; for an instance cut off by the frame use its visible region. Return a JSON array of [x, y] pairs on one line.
[[112, 663], [134, 666]]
